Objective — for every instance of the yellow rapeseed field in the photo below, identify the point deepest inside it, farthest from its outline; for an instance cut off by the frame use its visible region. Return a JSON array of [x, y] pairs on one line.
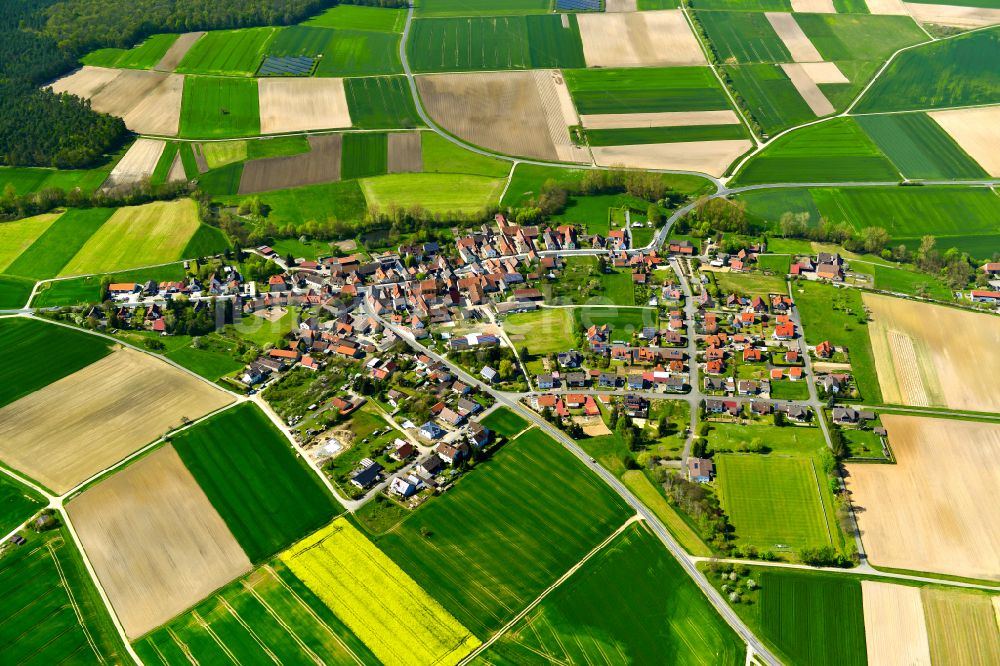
[[377, 600]]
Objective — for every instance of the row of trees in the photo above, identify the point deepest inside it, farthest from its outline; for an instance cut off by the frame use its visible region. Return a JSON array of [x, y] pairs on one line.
[[14, 206]]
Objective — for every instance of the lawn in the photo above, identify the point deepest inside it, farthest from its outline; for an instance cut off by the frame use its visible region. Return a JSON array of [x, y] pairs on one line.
[[220, 153], [626, 137], [144, 56], [14, 291], [18, 503], [352, 17], [644, 489], [218, 107], [59, 243], [773, 100], [505, 422], [788, 390], [136, 236], [53, 614], [210, 364], [743, 37], [623, 321], [838, 315], [954, 72], [779, 264], [773, 502], [364, 154], [543, 331], [631, 603], [343, 200], [645, 90], [77, 291], [442, 156], [436, 192], [751, 284], [833, 151], [920, 148], [859, 36], [506, 532], [41, 353], [228, 52], [268, 495], [381, 102]]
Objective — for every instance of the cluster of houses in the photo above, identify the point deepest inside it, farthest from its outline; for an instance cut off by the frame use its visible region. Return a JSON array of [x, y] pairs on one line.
[[227, 282], [567, 405], [828, 266]]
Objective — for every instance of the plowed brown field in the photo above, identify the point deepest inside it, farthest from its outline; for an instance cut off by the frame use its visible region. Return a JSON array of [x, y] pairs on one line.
[[320, 165]]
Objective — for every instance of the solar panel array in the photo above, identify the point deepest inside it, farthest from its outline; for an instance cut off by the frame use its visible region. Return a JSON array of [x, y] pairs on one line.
[[286, 66], [579, 5]]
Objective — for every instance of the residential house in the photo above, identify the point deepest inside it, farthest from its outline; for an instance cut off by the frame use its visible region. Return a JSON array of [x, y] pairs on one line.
[[452, 453], [636, 406], [824, 349], [403, 486], [430, 465], [545, 381], [431, 431], [368, 475], [700, 470], [488, 374], [402, 450]]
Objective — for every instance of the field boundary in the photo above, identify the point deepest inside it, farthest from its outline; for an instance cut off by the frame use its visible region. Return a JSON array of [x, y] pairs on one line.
[[819, 491], [72, 601]]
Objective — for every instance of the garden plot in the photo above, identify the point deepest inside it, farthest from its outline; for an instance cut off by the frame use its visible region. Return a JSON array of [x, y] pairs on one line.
[[792, 36], [295, 105], [956, 17], [320, 165], [177, 51], [640, 39], [155, 541], [138, 163], [405, 154], [661, 119], [66, 432], [977, 131], [927, 512], [895, 630], [932, 355], [887, 7], [711, 157]]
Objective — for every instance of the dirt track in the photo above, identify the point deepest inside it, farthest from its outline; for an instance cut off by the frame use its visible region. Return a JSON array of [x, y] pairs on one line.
[[320, 165]]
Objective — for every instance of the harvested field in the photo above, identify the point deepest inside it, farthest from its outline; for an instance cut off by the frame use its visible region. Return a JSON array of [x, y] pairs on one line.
[[159, 110], [176, 174], [320, 165], [640, 39], [961, 627], [806, 87], [823, 72], [977, 131], [86, 82], [177, 51], [662, 119], [138, 163], [895, 631], [560, 114], [405, 155], [155, 541], [887, 7], [927, 512], [613, 6], [957, 17], [711, 157], [920, 361], [792, 36], [294, 105], [814, 6], [70, 430]]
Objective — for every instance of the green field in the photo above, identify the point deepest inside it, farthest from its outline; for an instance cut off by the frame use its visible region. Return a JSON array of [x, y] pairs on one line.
[[42, 353], [442, 156], [773, 502], [903, 281], [364, 155], [505, 422], [77, 291], [228, 52], [34, 179], [859, 36], [647, 493], [277, 147], [18, 503], [495, 43], [269, 614], [789, 390], [834, 151], [743, 37], [206, 241], [52, 613], [487, 7], [222, 181], [630, 603], [218, 107], [381, 102], [544, 331], [435, 192], [952, 72], [748, 5], [509, 530], [920, 148], [60, 243], [342, 200], [623, 321], [625, 137], [645, 90], [144, 56], [751, 284], [772, 98], [779, 264], [208, 363], [267, 495], [14, 292], [220, 153], [354, 17], [17, 236], [341, 52], [163, 165]]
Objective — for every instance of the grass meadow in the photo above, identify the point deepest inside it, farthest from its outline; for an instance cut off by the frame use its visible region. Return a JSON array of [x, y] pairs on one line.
[[631, 603], [34, 179], [228, 52], [506, 532], [18, 503], [264, 491], [81, 290], [622, 321], [52, 250], [42, 353], [743, 37], [645, 90], [381, 102], [442, 156], [920, 148], [281, 146], [144, 56], [436, 192], [14, 291], [504, 421], [219, 107], [647, 492], [751, 284], [543, 331], [772, 98], [342, 200], [364, 155], [208, 363]]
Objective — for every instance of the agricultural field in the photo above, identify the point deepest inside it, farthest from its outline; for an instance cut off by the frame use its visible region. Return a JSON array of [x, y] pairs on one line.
[[960, 629], [109, 409], [920, 148], [743, 37], [219, 107], [505, 422], [18, 503], [18, 236], [381, 102], [629, 39], [442, 156], [435, 192], [14, 291], [144, 56], [400, 624], [33, 179], [975, 131], [340, 52], [364, 155], [154, 233], [894, 624], [268, 614], [920, 361], [356, 17], [646, 90], [507, 532], [154, 540], [624, 321], [322, 163], [296, 206], [751, 284], [840, 37], [630, 603], [53, 612], [228, 52], [542, 331], [633, 136], [485, 7], [926, 513], [266, 494]]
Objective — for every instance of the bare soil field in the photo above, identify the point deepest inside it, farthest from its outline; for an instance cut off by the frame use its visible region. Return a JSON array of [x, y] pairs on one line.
[[921, 361], [958, 17], [961, 627], [295, 105], [895, 631], [320, 165], [711, 157], [593, 426], [560, 114], [405, 154], [177, 51], [496, 110], [661, 119], [932, 511], [823, 72], [887, 7], [977, 131], [793, 37], [159, 111], [156, 543], [138, 163], [641, 39], [612, 6], [199, 157], [176, 173], [808, 89], [82, 424], [814, 6]]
